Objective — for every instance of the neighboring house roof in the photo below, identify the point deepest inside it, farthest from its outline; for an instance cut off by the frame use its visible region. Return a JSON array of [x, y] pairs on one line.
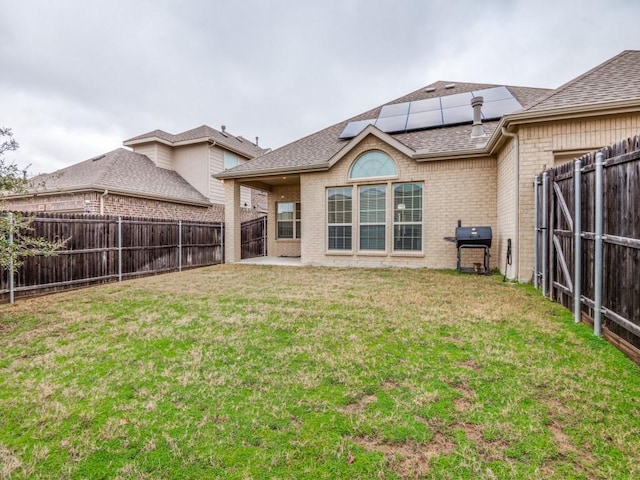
[[203, 133], [120, 171], [317, 150], [617, 79]]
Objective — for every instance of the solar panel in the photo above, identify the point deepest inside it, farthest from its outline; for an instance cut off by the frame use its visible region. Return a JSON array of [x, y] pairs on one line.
[[455, 115], [354, 128], [425, 105], [457, 100], [418, 120], [498, 108], [436, 112], [493, 94], [395, 109]]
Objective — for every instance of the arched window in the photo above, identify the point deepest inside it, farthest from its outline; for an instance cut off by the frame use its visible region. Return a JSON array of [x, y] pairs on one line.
[[373, 164]]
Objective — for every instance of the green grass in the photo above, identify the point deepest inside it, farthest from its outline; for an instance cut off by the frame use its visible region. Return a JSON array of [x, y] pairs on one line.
[[248, 372]]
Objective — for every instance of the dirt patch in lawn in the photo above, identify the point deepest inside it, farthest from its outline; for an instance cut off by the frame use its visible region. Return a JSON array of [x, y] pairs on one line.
[[409, 459]]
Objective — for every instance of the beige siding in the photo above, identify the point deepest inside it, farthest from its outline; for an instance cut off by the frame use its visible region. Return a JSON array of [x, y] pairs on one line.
[[540, 143], [192, 163], [216, 165], [453, 190], [158, 153]]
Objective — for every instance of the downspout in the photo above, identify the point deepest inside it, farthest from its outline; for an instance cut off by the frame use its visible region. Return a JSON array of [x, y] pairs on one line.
[[106, 192], [516, 242]]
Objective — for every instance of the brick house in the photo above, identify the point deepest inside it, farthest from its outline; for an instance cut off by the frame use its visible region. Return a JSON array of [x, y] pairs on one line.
[[385, 187], [162, 176]]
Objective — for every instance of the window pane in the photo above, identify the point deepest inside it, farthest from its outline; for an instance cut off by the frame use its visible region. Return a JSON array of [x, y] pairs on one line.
[[340, 237], [285, 211], [230, 160], [407, 217], [373, 164], [285, 229], [407, 237], [372, 237], [373, 204], [298, 228]]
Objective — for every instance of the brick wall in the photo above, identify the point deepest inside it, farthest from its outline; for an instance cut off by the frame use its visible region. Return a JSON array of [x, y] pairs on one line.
[[453, 190], [541, 144]]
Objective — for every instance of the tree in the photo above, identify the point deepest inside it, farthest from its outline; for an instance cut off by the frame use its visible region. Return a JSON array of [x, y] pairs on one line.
[[16, 233]]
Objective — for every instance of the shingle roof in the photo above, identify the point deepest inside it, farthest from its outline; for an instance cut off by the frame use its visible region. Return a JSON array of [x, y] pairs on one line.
[[317, 149], [614, 80], [238, 144], [121, 171]]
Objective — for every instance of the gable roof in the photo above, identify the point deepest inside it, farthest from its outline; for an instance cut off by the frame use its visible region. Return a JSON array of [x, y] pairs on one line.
[[314, 152], [617, 79], [203, 133], [120, 171]]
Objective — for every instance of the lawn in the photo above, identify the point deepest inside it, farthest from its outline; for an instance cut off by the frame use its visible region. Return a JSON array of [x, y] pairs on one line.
[[258, 372]]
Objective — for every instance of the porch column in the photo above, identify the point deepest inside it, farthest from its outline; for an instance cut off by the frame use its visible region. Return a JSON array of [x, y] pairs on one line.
[[232, 222]]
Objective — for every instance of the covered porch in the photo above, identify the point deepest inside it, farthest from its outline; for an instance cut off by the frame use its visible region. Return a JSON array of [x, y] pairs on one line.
[[284, 222]]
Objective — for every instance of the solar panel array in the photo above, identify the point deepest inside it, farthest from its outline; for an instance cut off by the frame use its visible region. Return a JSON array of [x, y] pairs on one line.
[[437, 112]]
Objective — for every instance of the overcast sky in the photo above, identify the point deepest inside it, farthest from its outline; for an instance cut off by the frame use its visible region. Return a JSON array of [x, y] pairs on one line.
[[77, 77]]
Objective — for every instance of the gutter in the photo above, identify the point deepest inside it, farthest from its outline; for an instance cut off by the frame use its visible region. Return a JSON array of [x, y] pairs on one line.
[[272, 172], [516, 240]]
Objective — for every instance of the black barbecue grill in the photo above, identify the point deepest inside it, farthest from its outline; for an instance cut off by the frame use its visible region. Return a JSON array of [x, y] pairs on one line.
[[472, 237]]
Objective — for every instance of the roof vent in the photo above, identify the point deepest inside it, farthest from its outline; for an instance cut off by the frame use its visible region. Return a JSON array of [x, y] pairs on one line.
[[430, 89], [224, 129], [239, 138], [99, 157], [477, 130], [257, 138], [449, 86]]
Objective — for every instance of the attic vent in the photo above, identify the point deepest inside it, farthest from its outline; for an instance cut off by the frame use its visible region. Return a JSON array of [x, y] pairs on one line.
[[99, 157], [450, 86], [430, 89]]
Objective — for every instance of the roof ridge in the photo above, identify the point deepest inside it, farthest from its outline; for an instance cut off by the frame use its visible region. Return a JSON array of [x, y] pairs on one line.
[[586, 74]]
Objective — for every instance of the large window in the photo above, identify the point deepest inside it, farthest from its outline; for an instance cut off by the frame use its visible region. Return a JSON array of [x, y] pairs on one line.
[[372, 217], [373, 164], [407, 217], [339, 213], [289, 224]]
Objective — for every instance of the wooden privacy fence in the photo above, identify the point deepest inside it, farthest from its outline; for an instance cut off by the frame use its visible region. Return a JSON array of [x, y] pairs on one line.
[[253, 234], [587, 240], [107, 248]]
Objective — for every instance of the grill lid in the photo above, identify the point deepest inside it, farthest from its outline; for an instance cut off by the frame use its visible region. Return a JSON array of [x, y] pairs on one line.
[[473, 236]]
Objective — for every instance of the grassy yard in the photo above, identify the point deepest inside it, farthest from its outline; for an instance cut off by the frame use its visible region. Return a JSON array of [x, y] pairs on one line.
[[249, 372]]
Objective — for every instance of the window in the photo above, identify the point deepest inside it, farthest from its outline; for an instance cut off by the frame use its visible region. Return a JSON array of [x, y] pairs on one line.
[[373, 164], [230, 160], [289, 220], [372, 217], [407, 217], [339, 205]]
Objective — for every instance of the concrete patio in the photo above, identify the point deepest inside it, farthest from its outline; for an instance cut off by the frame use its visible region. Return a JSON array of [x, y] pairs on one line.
[[285, 261]]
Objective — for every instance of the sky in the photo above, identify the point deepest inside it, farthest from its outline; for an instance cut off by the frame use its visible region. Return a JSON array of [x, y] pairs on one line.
[[78, 77]]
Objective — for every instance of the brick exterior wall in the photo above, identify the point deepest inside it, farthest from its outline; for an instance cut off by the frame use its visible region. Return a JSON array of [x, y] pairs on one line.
[[461, 189], [541, 144], [89, 202]]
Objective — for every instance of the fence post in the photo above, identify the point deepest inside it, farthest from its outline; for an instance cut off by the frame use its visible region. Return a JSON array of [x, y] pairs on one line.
[[264, 236], [11, 267], [179, 245], [222, 234], [536, 230], [597, 313], [577, 238], [545, 216], [119, 249]]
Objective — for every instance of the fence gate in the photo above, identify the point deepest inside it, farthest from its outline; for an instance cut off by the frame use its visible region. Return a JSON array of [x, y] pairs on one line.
[[253, 234], [587, 240]]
